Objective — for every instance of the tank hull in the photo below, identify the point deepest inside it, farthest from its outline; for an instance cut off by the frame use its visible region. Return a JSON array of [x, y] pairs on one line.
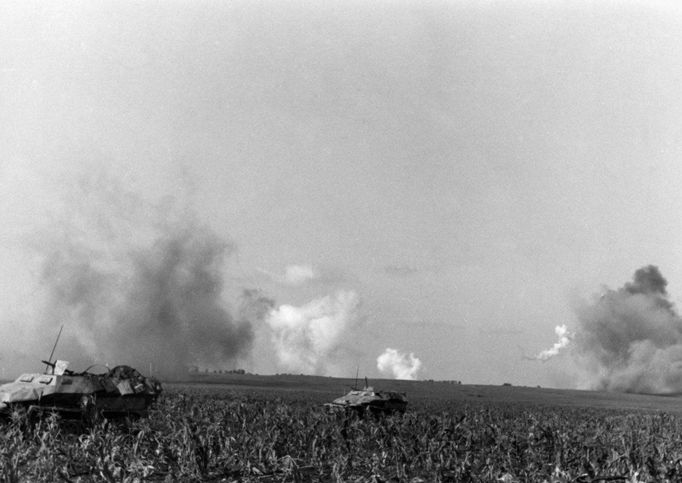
[[367, 399]]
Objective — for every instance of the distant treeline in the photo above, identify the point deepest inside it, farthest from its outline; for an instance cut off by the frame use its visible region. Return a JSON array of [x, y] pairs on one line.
[[197, 370]]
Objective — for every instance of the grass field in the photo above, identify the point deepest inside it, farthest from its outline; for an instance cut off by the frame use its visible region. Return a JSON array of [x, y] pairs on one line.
[[273, 428], [425, 393]]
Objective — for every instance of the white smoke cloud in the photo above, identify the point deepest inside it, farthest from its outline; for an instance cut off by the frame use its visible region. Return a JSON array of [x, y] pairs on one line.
[[564, 340], [306, 339], [400, 366]]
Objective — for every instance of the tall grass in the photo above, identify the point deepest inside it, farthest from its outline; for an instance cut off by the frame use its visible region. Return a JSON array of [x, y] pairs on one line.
[[220, 436]]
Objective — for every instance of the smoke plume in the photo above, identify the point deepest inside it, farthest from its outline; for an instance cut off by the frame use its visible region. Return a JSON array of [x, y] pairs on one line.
[[399, 365], [308, 339], [564, 340], [630, 339], [140, 284]]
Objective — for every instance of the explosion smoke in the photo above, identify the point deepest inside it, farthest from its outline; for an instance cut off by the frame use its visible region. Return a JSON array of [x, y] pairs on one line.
[[400, 366], [307, 338], [630, 339], [136, 287], [564, 340]]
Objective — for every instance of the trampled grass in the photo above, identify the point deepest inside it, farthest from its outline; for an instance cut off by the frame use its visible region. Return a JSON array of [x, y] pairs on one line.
[[216, 434]]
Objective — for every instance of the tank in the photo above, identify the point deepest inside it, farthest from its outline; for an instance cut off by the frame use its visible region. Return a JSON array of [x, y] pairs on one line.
[[118, 392], [367, 399]]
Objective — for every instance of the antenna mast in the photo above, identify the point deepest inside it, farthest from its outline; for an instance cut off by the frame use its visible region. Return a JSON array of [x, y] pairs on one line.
[[54, 347]]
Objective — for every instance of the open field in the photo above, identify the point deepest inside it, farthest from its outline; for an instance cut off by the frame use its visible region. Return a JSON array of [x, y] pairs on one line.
[[424, 393], [273, 428]]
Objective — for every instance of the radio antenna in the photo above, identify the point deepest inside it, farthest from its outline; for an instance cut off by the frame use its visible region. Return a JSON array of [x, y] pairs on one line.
[[53, 348]]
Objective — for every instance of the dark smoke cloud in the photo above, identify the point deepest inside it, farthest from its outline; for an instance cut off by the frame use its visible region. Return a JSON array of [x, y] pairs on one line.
[[141, 284], [630, 339]]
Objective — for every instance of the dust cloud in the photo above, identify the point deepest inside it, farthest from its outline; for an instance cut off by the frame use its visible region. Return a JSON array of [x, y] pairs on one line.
[[139, 283], [630, 339], [627, 340]]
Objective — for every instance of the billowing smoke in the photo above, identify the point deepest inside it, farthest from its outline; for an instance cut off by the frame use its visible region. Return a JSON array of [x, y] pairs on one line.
[[630, 339], [308, 339], [399, 365], [564, 340], [141, 284]]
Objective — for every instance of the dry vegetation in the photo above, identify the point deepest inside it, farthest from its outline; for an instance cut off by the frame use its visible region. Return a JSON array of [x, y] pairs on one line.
[[213, 434]]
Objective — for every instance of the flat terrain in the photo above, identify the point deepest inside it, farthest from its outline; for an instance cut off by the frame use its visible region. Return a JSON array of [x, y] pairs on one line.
[[250, 428], [423, 393]]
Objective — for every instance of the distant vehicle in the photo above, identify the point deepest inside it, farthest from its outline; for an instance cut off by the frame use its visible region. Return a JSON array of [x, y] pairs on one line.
[[367, 399], [118, 392]]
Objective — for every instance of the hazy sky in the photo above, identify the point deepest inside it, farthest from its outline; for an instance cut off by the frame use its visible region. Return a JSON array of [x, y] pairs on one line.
[[463, 168]]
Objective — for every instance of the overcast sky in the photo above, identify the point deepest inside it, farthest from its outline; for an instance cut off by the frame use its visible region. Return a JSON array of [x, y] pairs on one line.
[[464, 168]]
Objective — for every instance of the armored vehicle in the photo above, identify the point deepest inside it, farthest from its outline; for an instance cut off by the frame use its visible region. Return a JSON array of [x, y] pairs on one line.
[[120, 391], [367, 399]]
